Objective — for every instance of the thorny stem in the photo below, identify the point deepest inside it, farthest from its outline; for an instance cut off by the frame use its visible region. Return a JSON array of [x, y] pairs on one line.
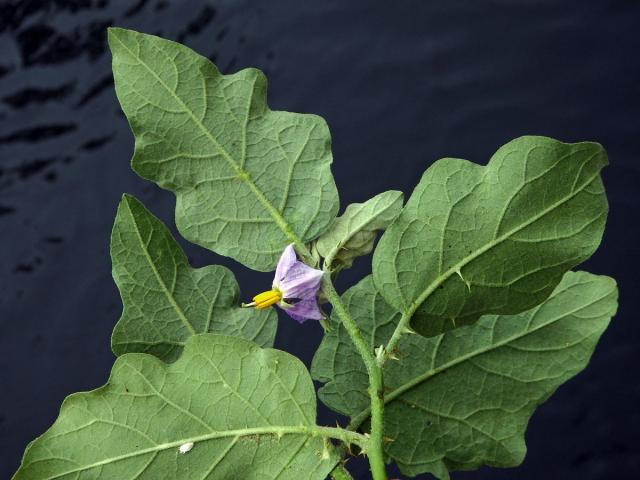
[[376, 392], [401, 329]]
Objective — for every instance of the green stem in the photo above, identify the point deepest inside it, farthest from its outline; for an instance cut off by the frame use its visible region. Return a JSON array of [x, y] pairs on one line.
[[400, 329], [376, 392], [341, 473]]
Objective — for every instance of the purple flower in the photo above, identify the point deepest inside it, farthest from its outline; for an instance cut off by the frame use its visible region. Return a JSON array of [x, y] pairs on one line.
[[294, 289]]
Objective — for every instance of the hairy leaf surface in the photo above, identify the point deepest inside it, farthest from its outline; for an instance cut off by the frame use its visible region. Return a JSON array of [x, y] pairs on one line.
[[463, 399], [353, 234], [165, 300], [248, 180], [249, 413], [474, 240]]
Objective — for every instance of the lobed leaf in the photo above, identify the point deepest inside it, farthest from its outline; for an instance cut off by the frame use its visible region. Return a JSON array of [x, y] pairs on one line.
[[463, 399], [476, 240], [165, 300], [248, 180], [225, 409], [353, 234]]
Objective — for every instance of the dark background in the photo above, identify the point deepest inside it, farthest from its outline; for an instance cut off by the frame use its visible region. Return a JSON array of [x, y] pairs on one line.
[[401, 84]]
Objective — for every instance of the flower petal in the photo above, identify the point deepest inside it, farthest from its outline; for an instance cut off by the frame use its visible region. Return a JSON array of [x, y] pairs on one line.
[[306, 309], [287, 260], [301, 281]]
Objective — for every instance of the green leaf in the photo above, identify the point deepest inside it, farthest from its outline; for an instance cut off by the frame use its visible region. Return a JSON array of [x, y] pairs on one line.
[[463, 399], [165, 300], [475, 240], [248, 180], [353, 234], [250, 414]]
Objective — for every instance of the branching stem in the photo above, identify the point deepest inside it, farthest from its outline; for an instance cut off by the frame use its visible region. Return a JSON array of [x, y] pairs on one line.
[[374, 449]]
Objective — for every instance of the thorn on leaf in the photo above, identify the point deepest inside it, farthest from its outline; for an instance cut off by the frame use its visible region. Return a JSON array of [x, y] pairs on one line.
[[466, 282]]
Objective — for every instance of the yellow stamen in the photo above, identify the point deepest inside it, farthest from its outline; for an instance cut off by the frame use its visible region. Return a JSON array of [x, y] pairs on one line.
[[266, 299]]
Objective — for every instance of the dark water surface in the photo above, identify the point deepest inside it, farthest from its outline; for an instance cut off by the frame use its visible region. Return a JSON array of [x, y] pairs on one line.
[[401, 84]]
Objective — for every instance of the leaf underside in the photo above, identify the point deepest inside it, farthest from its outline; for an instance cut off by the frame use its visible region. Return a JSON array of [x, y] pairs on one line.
[[478, 259], [165, 300], [236, 403], [475, 240], [463, 399], [248, 180], [353, 234]]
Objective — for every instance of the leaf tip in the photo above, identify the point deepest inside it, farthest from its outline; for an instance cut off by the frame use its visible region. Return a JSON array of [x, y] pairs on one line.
[[114, 33], [130, 202]]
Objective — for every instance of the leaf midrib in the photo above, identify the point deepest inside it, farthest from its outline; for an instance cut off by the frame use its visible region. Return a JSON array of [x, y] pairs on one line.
[[456, 268], [277, 430], [242, 175], [432, 372], [163, 286]]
